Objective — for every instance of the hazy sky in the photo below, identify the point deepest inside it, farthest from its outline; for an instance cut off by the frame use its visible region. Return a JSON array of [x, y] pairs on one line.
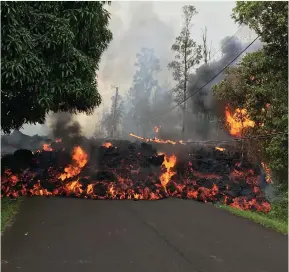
[[150, 24]]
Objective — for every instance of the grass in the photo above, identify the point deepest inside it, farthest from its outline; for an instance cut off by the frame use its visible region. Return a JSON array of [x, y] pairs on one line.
[[9, 209], [274, 219]]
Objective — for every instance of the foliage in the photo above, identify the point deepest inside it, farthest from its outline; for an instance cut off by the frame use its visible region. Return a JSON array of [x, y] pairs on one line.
[[50, 54], [188, 54], [144, 84], [260, 82]]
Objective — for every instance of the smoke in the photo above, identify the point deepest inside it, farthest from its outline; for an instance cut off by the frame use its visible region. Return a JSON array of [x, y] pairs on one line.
[[203, 101]]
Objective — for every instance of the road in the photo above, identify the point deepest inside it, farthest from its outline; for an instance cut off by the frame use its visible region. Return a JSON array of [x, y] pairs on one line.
[[172, 235]]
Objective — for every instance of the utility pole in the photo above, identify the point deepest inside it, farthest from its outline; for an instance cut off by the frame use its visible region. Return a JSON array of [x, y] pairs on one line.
[[114, 112]]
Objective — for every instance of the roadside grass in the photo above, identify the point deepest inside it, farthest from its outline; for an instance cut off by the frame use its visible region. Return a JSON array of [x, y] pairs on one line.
[[276, 219], [9, 209]]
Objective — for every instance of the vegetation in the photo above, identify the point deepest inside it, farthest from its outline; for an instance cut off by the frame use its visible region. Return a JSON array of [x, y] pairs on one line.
[[267, 220], [188, 54], [9, 208], [50, 54], [144, 85], [259, 83]]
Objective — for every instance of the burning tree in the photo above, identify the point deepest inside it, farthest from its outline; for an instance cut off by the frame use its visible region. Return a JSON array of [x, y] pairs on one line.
[[258, 86], [49, 58], [188, 54]]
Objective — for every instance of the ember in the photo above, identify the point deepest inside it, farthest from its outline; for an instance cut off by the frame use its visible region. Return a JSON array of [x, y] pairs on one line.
[[135, 171], [219, 148], [156, 140], [107, 144]]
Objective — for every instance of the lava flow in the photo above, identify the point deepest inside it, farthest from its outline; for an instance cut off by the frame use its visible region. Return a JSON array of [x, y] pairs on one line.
[[137, 171], [156, 140], [238, 121]]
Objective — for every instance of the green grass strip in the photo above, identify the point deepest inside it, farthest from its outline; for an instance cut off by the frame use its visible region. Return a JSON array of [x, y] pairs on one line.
[[9, 209], [260, 218]]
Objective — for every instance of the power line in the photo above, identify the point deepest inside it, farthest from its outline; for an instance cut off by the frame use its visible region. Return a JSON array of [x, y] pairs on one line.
[[212, 55], [217, 73]]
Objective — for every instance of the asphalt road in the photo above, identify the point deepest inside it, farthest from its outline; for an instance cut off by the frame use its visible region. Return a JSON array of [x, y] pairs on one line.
[[62, 234]]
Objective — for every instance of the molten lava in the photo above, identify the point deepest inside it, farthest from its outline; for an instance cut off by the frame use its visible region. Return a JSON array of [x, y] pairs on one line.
[[169, 164], [238, 121], [46, 147], [79, 158], [134, 171], [156, 140], [107, 144], [220, 148]]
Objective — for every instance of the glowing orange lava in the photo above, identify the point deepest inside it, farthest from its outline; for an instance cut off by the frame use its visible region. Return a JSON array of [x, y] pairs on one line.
[[79, 161], [107, 144], [46, 147], [267, 171], [156, 140], [238, 121], [219, 148], [169, 163]]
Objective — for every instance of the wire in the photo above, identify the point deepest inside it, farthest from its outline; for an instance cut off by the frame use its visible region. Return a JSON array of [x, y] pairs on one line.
[[217, 73]]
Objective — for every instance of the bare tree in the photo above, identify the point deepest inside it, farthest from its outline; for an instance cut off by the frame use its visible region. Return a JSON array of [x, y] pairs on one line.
[[206, 50], [188, 54]]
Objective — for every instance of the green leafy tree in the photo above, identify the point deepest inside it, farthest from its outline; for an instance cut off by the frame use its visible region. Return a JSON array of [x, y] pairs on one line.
[[50, 54], [260, 82], [187, 55]]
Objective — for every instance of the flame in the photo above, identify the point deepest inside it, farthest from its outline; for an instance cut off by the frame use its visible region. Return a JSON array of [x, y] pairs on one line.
[[79, 161], [156, 140], [238, 121], [107, 144], [267, 171], [169, 163], [156, 129], [219, 148], [127, 181], [46, 147]]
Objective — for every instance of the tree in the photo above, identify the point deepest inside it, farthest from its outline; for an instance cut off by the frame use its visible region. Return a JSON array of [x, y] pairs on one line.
[[50, 54], [113, 118], [188, 54], [144, 82], [260, 82]]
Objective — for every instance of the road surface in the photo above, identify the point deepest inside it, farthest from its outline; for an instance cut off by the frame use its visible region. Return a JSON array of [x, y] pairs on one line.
[[172, 235]]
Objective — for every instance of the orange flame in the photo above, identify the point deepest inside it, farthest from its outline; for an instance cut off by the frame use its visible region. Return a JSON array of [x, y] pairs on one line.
[[107, 144], [267, 171], [169, 163], [219, 148], [238, 121], [156, 140], [156, 129], [46, 147], [79, 161]]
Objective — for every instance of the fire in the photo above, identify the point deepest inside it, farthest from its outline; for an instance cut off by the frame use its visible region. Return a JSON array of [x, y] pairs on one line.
[[238, 121], [58, 140], [169, 163], [107, 144], [121, 176], [156, 140], [220, 148], [267, 171], [46, 147], [79, 161], [156, 129]]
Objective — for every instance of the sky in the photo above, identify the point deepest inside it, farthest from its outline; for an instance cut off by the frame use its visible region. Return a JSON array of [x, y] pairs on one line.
[[150, 24]]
